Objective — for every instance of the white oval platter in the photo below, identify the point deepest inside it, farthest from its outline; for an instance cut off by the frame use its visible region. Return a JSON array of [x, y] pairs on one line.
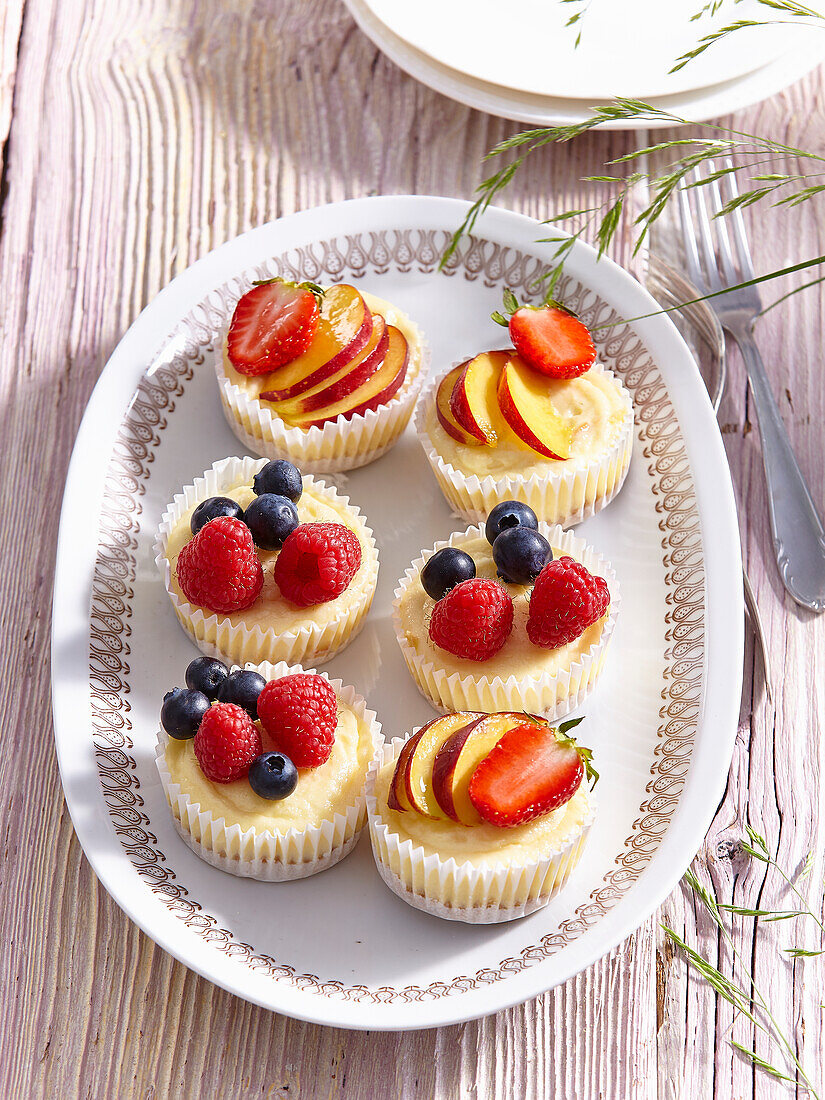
[[339, 948]]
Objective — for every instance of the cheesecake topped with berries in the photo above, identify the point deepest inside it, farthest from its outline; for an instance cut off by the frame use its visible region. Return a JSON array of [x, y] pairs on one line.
[[262, 564], [542, 422], [264, 768], [513, 615]]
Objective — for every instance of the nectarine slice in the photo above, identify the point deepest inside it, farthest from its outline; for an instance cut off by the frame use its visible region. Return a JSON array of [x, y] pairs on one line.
[[418, 772], [344, 327], [474, 402], [445, 414], [526, 406], [458, 757]]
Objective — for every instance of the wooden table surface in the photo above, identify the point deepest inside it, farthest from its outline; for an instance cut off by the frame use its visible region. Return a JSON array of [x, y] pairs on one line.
[[135, 137]]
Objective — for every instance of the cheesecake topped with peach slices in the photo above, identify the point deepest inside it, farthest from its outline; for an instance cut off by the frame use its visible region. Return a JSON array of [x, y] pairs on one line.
[[541, 422], [327, 377], [481, 817]]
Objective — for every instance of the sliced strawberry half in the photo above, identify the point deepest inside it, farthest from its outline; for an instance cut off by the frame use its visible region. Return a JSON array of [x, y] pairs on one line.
[[272, 324], [533, 769], [549, 337]]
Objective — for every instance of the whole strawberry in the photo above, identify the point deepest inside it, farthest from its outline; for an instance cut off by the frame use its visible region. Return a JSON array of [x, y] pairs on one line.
[[473, 620], [565, 601], [226, 743], [219, 569], [317, 563], [273, 324], [300, 713], [549, 338]]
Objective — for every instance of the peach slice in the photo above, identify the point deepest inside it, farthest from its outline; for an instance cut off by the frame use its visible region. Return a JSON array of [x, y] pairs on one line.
[[344, 327], [397, 793], [445, 414], [343, 382], [524, 400], [458, 757], [418, 769], [382, 385], [473, 401]]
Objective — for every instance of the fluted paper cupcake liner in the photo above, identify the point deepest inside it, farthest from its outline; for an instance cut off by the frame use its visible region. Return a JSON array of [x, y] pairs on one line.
[[552, 694], [567, 497], [265, 855], [333, 447], [216, 635], [465, 891]]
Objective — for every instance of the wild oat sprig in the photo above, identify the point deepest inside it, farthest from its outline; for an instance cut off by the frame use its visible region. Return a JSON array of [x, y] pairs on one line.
[[787, 7], [712, 146], [745, 997]]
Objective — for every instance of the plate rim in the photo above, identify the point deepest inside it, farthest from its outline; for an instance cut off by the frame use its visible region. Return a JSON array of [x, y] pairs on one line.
[[606, 278]]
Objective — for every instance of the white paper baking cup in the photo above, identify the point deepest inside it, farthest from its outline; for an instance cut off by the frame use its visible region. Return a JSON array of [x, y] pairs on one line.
[[214, 634], [335, 446], [573, 494], [553, 695], [464, 891], [270, 856]]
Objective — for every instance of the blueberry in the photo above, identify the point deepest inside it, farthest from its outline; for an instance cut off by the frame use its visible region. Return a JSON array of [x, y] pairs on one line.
[[273, 775], [182, 711], [444, 570], [243, 687], [520, 554], [279, 477], [510, 513], [212, 509], [206, 674], [271, 518]]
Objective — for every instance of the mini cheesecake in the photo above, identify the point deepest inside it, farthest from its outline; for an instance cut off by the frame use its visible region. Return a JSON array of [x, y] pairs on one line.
[[521, 676], [345, 400], [493, 429], [272, 629]]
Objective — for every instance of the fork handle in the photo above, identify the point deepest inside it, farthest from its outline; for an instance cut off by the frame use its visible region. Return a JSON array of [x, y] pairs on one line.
[[798, 533]]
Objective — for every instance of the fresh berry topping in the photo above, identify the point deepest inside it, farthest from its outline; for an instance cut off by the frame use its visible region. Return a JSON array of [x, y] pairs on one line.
[[444, 570], [565, 601], [219, 568], [532, 770], [212, 509], [474, 620], [510, 513], [226, 743], [206, 674], [317, 563], [272, 324], [271, 519], [300, 713], [182, 712], [272, 775], [243, 687], [279, 477], [548, 337], [520, 554]]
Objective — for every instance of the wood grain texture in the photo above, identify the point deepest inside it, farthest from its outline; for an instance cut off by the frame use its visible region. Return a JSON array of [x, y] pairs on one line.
[[143, 135]]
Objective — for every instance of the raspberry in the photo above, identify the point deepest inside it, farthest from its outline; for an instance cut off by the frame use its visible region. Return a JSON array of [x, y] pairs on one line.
[[317, 562], [226, 743], [219, 568], [566, 600], [473, 620], [300, 713]]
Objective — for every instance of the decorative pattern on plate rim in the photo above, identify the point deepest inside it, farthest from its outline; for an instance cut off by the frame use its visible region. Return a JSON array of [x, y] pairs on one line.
[[115, 568]]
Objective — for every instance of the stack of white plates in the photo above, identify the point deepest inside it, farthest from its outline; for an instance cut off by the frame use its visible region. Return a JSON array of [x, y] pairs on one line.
[[521, 61]]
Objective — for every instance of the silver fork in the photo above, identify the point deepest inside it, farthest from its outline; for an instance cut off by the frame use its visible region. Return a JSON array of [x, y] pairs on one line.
[[798, 533]]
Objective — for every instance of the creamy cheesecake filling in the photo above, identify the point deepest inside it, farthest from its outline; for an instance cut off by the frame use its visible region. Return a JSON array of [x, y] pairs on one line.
[[271, 611], [253, 385], [594, 404], [518, 656], [321, 792], [484, 845]]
